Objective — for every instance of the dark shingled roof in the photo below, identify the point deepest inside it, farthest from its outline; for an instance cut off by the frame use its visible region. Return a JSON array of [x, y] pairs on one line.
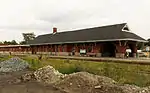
[[97, 34]]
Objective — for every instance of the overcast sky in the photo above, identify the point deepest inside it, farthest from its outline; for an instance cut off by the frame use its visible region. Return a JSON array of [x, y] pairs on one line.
[[40, 16]]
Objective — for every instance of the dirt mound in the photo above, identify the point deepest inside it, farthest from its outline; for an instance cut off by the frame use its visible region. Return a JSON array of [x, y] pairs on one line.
[[115, 88], [130, 88], [82, 82]]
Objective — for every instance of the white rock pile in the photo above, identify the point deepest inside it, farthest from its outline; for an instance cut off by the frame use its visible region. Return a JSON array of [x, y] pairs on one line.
[[13, 64], [45, 74]]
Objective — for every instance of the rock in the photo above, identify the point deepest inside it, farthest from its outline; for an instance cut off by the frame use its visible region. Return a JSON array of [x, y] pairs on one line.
[[13, 64], [70, 84], [144, 90], [129, 88], [16, 81], [96, 87], [27, 77]]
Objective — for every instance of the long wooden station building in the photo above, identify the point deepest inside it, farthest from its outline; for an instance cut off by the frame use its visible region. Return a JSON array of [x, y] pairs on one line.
[[104, 41]]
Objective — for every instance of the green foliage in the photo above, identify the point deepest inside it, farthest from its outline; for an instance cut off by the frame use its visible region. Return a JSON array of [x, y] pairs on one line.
[[13, 42], [148, 43], [140, 46], [1, 43], [28, 37], [23, 42], [4, 57]]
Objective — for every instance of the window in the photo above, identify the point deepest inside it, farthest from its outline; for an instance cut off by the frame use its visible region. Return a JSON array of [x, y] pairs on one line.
[[89, 49], [63, 48], [56, 49]]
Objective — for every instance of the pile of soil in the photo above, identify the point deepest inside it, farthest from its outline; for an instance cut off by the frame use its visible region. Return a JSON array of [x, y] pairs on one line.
[[82, 82]]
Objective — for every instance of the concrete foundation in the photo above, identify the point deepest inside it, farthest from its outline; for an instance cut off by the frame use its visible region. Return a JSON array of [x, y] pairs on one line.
[[62, 53], [99, 54], [120, 55]]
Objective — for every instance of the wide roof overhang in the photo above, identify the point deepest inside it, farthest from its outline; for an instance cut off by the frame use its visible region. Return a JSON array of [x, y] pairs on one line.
[[88, 41]]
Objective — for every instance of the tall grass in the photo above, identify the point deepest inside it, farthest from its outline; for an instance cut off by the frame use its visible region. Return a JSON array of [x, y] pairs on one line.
[[123, 73]]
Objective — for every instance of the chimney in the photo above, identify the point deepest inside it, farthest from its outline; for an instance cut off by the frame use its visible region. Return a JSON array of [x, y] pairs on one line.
[[54, 30]]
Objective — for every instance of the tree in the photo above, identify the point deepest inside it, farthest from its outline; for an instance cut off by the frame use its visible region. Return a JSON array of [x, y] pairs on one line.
[[148, 43], [23, 42], [7, 43], [1, 43], [28, 37], [13, 42], [140, 46]]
